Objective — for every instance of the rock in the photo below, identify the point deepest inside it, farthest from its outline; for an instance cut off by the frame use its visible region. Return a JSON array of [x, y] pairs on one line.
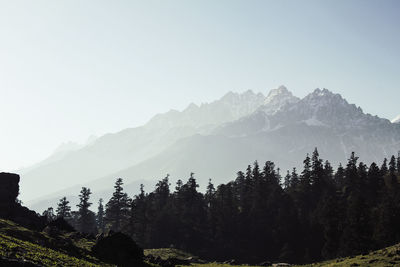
[[194, 260], [9, 188], [10, 209], [119, 249], [281, 264], [230, 262]]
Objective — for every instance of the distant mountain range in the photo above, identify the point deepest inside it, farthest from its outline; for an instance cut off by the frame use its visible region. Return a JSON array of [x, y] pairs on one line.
[[215, 141]]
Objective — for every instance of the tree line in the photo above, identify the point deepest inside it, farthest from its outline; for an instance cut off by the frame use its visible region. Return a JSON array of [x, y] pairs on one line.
[[260, 216]]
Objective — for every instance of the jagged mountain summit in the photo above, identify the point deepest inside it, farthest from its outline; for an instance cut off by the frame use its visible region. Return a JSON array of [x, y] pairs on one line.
[[230, 107], [320, 108], [277, 99], [215, 140], [114, 152]]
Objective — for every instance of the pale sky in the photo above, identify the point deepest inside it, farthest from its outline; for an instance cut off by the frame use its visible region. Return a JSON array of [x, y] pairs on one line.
[[70, 69]]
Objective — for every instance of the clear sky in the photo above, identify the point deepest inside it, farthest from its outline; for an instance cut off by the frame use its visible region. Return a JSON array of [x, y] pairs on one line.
[[70, 69]]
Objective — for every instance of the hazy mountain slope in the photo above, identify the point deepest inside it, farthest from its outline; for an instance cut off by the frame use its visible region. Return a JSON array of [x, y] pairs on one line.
[[283, 134], [114, 152], [220, 157]]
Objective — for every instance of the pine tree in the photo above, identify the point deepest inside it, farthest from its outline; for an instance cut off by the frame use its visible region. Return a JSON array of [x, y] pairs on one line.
[[384, 168], [375, 184], [210, 193], [49, 214], [317, 170], [117, 208], [398, 163], [86, 221], [138, 218], [305, 179], [288, 181], [339, 176], [351, 174], [271, 177], [63, 208], [295, 179], [393, 173], [100, 217]]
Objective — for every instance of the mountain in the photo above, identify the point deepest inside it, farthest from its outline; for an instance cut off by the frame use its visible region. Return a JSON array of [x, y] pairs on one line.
[[280, 127], [114, 152], [60, 153], [396, 120]]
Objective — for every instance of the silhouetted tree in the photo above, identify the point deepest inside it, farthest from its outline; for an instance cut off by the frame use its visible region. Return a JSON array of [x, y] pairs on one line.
[[100, 217], [86, 221], [63, 208], [117, 208], [49, 214]]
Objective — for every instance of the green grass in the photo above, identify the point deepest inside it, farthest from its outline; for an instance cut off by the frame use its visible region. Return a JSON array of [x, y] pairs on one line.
[[386, 257], [19, 243], [389, 256], [213, 264], [166, 253], [71, 249]]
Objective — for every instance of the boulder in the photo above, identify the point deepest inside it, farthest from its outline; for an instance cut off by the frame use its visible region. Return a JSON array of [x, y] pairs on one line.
[[9, 190], [118, 248], [12, 210]]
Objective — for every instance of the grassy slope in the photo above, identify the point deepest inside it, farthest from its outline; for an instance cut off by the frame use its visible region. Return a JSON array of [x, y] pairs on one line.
[[389, 256], [167, 253], [17, 242], [386, 257]]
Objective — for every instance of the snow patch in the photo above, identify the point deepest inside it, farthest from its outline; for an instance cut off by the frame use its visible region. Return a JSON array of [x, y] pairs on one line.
[[396, 120]]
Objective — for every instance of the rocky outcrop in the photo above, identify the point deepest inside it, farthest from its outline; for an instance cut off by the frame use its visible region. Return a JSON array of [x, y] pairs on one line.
[[10, 208], [9, 189], [118, 248]]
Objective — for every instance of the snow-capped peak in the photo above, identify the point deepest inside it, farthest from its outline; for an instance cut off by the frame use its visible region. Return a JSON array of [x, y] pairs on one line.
[[396, 120], [324, 97], [277, 99], [230, 107]]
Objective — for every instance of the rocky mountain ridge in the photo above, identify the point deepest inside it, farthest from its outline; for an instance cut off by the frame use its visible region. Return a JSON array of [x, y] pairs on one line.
[[279, 127]]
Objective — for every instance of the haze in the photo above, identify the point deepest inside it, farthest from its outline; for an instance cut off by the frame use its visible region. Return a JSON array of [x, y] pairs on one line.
[[71, 69]]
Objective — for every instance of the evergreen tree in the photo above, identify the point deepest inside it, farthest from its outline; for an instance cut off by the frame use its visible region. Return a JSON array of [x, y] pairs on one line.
[[339, 177], [117, 208], [305, 179], [100, 217], [63, 208], [294, 179], [321, 214], [288, 180], [210, 193], [86, 222], [49, 214], [384, 168], [393, 173], [398, 163], [138, 218]]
